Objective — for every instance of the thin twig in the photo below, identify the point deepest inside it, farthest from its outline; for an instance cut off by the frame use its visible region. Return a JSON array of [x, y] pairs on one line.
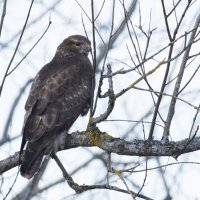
[[161, 50], [173, 9], [146, 166], [164, 178], [140, 79], [133, 169], [5, 136], [103, 66], [117, 32], [108, 167], [94, 59], [111, 101], [31, 23], [90, 21], [168, 95], [166, 21], [3, 16], [82, 188], [175, 14], [127, 120], [30, 49], [32, 188], [126, 185], [145, 177], [190, 79], [100, 10], [10, 189], [16, 48], [186, 145], [68, 178], [194, 120], [171, 39]]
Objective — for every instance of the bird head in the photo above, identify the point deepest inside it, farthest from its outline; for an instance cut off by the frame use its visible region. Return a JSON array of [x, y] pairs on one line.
[[75, 44]]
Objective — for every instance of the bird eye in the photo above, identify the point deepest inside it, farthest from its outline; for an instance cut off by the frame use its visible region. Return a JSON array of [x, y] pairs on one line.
[[78, 44]]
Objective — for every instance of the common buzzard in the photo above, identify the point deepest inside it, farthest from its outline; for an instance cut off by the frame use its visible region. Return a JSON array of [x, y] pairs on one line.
[[60, 92]]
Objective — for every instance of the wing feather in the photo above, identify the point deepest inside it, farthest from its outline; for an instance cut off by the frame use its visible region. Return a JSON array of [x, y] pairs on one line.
[[50, 116], [64, 94], [60, 92]]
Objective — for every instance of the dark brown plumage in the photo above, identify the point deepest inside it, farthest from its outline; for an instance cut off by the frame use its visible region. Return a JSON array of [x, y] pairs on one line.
[[60, 92]]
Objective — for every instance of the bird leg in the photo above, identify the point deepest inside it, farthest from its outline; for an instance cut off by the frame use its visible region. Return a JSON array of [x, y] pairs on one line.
[[56, 144], [59, 142]]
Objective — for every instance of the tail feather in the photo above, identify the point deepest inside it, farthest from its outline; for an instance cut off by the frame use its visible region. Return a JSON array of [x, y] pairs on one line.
[[32, 162]]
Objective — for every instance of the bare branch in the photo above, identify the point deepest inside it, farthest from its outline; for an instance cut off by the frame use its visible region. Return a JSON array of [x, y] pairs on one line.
[[116, 145], [178, 82], [111, 101], [16, 48], [3, 16], [30, 49]]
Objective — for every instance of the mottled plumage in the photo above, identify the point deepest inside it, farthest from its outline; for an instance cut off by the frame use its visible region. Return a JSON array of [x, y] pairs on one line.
[[60, 92]]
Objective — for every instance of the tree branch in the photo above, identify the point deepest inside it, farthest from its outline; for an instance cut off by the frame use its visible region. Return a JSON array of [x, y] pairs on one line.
[[119, 146], [3, 16], [178, 82]]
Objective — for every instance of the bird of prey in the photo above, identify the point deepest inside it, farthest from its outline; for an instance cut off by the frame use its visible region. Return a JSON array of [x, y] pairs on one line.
[[60, 93]]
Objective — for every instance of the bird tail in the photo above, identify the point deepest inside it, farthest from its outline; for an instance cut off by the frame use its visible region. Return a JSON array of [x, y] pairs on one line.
[[32, 162]]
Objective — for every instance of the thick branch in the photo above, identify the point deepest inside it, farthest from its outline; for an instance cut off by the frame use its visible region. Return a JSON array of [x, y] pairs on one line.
[[117, 145], [178, 81]]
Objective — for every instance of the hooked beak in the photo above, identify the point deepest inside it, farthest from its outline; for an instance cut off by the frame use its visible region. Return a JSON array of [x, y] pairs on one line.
[[88, 47]]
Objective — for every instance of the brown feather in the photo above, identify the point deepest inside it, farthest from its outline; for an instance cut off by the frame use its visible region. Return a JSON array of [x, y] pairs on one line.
[[60, 92]]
